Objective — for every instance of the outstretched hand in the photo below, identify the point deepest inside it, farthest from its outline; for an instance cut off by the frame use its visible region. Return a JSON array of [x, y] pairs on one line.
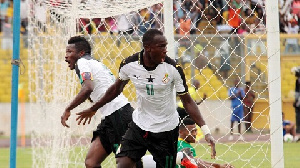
[[209, 139], [85, 115], [64, 118]]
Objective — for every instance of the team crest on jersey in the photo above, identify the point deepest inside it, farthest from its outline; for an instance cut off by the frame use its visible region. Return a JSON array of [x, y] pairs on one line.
[[166, 79]]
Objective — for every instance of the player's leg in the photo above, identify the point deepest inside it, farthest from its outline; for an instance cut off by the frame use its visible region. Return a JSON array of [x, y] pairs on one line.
[[232, 120], [132, 147], [100, 147], [107, 137], [247, 117], [230, 138], [250, 118], [96, 154], [163, 147], [291, 129], [125, 162], [240, 115], [297, 120]]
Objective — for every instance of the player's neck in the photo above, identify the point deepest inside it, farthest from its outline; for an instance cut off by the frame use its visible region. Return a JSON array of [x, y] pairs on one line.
[[147, 61]]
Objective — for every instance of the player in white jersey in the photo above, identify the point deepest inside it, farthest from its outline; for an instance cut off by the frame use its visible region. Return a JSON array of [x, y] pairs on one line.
[[155, 120], [95, 79]]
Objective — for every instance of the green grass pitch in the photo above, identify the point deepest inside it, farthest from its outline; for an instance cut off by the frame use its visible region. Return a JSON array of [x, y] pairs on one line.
[[239, 155]]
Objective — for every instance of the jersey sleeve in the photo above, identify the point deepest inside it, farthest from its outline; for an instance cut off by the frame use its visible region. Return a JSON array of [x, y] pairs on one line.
[[84, 71], [179, 81], [123, 71]]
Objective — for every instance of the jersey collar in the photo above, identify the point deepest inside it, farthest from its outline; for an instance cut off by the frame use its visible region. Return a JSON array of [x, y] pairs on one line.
[[141, 62], [181, 139]]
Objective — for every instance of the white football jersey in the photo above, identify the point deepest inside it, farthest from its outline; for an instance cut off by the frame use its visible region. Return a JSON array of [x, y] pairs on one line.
[[103, 79], [155, 89]]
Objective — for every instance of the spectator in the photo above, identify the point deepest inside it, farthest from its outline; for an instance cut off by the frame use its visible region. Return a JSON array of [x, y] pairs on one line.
[[187, 5], [218, 6], [282, 24], [24, 15], [184, 30], [85, 25], [185, 24], [98, 25], [223, 53], [156, 17], [261, 15], [201, 59], [234, 9], [248, 106], [292, 43], [7, 41], [143, 21], [259, 29], [289, 128], [243, 29], [285, 7], [194, 15], [112, 26], [290, 15], [296, 7], [257, 4], [4, 4], [24, 21], [249, 17], [236, 95], [40, 14]]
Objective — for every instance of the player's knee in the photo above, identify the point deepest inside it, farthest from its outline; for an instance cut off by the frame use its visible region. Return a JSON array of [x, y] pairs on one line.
[[89, 163], [124, 162]]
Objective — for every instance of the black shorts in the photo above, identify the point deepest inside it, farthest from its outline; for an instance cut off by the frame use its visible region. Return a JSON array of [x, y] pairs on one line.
[[113, 127], [162, 146]]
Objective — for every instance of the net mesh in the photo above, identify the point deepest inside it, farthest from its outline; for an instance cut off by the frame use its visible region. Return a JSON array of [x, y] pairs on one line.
[[216, 42]]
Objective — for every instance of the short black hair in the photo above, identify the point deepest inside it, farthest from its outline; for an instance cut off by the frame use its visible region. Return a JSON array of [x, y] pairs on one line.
[[248, 83], [148, 37], [185, 122], [81, 44]]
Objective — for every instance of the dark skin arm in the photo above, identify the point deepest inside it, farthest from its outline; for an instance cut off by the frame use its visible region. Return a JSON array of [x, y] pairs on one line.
[[192, 109], [85, 92], [112, 92]]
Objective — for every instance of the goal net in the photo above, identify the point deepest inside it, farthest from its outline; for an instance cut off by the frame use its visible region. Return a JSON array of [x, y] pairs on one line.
[[217, 43]]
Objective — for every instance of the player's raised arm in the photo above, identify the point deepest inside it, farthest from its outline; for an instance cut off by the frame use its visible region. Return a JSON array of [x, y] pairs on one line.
[[76, 49], [112, 92], [85, 92], [192, 109]]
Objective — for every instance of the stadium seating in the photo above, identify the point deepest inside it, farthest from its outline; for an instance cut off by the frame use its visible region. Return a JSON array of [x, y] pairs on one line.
[[210, 83]]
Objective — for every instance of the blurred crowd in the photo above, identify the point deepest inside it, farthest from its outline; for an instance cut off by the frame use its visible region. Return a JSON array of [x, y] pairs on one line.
[[190, 17], [193, 16]]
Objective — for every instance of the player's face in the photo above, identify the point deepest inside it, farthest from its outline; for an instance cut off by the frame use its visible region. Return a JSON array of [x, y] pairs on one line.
[[158, 49], [72, 55], [191, 132]]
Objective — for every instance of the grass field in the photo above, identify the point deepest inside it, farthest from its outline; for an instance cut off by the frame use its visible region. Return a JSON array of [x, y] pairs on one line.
[[240, 155]]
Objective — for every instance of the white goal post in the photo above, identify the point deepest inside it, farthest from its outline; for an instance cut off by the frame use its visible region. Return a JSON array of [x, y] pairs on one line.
[[215, 55]]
